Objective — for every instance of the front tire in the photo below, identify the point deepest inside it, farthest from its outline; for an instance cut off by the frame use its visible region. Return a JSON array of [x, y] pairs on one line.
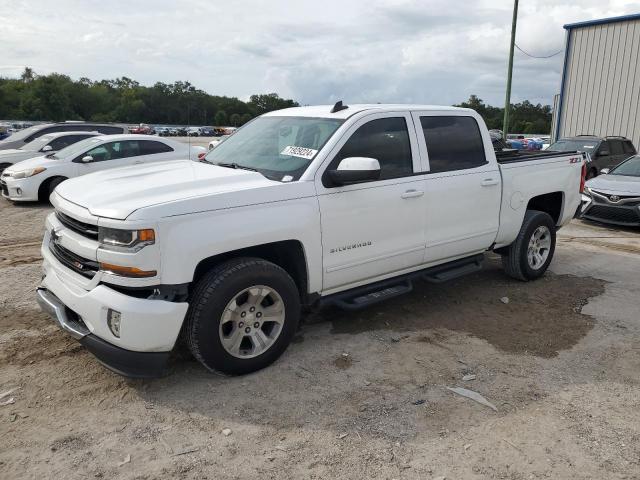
[[529, 256], [242, 316]]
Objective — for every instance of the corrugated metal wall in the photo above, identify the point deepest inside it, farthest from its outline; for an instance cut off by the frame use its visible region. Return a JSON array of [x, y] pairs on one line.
[[602, 84]]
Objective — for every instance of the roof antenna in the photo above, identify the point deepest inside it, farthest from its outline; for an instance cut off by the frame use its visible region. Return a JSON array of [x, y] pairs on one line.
[[339, 106]]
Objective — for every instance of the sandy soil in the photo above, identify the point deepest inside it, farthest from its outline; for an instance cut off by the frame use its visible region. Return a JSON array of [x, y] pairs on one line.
[[357, 395]]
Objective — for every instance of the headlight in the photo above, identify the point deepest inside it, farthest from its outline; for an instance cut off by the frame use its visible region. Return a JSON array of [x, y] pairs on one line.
[[587, 190], [27, 173], [117, 239]]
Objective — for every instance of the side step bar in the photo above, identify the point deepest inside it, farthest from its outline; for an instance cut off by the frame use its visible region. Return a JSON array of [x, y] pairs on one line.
[[367, 295]]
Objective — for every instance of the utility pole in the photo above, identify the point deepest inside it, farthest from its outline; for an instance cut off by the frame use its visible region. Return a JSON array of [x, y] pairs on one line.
[[507, 101]]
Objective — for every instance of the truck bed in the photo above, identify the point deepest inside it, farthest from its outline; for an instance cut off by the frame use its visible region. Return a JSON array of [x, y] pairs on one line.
[[513, 156]]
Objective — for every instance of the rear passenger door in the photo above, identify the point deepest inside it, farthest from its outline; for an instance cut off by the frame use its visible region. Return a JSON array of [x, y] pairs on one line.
[[463, 189]]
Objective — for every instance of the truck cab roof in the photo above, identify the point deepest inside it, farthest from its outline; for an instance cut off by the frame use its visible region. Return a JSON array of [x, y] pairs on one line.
[[325, 111]]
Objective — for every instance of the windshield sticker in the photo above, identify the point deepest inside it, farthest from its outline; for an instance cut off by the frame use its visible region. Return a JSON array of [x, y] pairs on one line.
[[301, 152]]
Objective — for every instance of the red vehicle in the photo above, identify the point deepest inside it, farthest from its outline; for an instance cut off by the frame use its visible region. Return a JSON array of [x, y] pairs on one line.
[[141, 129]]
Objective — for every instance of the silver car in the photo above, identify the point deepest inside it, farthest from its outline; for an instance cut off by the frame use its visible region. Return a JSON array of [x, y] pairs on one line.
[[614, 196], [43, 145], [27, 135]]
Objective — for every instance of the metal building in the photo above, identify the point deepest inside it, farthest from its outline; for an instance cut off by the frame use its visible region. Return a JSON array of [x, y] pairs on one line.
[[600, 89]]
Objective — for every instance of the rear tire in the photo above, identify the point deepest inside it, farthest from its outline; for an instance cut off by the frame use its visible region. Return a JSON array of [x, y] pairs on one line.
[[529, 256], [242, 316]]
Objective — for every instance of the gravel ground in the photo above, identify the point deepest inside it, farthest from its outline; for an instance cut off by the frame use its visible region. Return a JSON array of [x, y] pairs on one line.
[[357, 395]]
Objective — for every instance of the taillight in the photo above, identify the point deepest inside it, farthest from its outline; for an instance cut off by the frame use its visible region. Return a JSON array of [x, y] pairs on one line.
[[583, 176], [201, 156]]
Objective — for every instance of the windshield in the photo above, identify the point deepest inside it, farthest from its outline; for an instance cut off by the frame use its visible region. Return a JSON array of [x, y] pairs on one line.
[[630, 167], [280, 148], [37, 144], [573, 146], [76, 149]]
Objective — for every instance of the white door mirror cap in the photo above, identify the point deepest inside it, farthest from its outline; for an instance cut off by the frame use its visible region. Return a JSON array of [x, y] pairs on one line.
[[87, 159], [604, 171], [359, 163], [47, 148]]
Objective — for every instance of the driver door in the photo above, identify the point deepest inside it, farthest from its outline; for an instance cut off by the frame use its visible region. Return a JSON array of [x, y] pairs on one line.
[[373, 229]]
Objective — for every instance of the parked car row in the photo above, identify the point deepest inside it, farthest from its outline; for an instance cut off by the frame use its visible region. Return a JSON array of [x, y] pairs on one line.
[[32, 172], [161, 131]]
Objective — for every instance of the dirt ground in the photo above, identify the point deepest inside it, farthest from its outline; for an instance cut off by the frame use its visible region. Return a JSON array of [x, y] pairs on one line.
[[357, 395]]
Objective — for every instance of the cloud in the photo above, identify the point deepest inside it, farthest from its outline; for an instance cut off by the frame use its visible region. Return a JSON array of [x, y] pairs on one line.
[[419, 51]]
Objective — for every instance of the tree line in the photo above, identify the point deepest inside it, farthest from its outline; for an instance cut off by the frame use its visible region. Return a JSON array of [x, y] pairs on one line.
[[524, 117], [57, 97]]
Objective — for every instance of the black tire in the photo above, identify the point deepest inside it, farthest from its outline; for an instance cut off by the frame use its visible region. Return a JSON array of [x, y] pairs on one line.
[[53, 184], [209, 300], [515, 260], [3, 166]]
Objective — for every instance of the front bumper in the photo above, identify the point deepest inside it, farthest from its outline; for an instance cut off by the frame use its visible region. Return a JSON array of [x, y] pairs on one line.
[[622, 214], [21, 189], [119, 360], [148, 328]]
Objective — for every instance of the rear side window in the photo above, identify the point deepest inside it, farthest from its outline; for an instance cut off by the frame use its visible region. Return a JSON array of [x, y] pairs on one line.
[[386, 140], [44, 131], [148, 147], [616, 147], [453, 143], [107, 130], [628, 147]]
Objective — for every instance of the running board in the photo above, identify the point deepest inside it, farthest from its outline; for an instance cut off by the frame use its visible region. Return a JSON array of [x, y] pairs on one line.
[[367, 295]]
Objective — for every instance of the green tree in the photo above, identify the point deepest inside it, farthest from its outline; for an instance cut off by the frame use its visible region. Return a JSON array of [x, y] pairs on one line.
[[245, 118], [235, 119], [220, 119], [267, 103]]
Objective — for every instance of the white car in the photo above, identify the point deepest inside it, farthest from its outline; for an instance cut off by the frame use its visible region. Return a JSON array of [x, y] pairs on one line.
[[36, 178], [217, 141], [46, 144], [301, 207]]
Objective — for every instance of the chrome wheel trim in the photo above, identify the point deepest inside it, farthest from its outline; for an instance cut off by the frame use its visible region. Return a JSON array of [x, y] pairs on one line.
[[539, 247], [252, 322]]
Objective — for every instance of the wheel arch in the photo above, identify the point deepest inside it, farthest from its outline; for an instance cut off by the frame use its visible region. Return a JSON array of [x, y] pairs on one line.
[[287, 254], [43, 189], [551, 203]]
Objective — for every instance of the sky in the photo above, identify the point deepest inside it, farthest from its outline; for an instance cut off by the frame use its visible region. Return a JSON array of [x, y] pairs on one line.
[[316, 52]]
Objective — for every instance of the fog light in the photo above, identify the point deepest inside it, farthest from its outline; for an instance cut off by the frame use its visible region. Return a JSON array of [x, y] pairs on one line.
[[113, 320], [19, 191]]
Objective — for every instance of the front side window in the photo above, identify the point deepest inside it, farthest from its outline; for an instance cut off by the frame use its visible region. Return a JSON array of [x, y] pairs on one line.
[[453, 143], [280, 148], [386, 140], [616, 147], [114, 151]]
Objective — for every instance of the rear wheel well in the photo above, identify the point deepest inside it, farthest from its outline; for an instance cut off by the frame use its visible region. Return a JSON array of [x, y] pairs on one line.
[[550, 203], [287, 254], [43, 190]]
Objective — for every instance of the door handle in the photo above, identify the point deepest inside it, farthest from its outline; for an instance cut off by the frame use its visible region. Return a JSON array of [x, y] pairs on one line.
[[488, 182], [137, 162], [412, 193]]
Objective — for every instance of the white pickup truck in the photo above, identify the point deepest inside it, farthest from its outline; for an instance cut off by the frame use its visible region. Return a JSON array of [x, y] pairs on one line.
[[301, 207]]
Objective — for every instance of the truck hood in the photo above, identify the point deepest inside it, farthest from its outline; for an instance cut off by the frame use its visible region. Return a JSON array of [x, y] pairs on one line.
[[174, 188], [620, 184]]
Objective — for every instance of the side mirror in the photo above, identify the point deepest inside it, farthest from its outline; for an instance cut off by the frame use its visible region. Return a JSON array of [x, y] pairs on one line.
[[86, 159], [604, 171], [603, 153], [355, 170], [47, 148]]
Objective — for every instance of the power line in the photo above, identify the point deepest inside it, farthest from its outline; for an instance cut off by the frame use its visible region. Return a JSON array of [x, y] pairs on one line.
[[536, 56]]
